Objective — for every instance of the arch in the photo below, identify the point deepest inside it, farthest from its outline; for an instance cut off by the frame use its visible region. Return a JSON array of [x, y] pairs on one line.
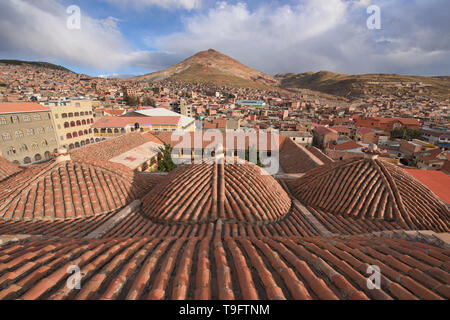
[[97, 139], [85, 131], [83, 143], [95, 130], [75, 134], [26, 160], [83, 122], [69, 136], [66, 125], [37, 157], [78, 123], [80, 133], [71, 146], [72, 123], [47, 155], [77, 144], [109, 130]]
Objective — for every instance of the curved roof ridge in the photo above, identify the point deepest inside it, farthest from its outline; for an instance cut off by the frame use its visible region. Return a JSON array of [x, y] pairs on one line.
[[392, 188]]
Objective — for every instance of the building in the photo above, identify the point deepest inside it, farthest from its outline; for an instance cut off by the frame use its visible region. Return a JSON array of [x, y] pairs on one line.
[[108, 127], [301, 137], [187, 123], [27, 132], [251, 103], [387, 124], [72, 122], [324, 136]]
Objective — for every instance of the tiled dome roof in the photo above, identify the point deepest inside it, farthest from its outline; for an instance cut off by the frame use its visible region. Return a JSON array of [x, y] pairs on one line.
[[67, 190], [370, 188], [7, 168], [203, 193]]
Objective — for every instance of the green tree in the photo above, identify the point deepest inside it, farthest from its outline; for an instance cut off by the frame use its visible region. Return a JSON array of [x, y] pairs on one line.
[[166, 164], [252, 149], [405, 133]]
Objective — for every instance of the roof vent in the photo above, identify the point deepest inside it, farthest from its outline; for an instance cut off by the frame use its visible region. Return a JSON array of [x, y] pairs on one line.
[[371, 152], [62, 155]]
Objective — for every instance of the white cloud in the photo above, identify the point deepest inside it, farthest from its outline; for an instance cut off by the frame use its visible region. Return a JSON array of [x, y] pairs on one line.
[[38, 29], [318, 35], [166, 4]]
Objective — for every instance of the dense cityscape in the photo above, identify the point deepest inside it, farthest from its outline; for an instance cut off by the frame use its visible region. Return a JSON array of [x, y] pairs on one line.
[[210, 180]]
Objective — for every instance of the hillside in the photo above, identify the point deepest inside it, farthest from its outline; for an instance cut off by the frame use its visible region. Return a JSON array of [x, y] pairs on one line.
[[213, 67], [368, 84], [36, 64]]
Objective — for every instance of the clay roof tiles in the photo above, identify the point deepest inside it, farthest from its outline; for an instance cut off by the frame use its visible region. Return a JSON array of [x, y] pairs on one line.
[[373, 189], [68, 190], [7, 168], [208, 192], [224, 268]]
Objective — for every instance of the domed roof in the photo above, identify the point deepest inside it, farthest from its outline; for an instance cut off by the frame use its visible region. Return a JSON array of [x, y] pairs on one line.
[[201, 193], [371, 188], [66, 189]]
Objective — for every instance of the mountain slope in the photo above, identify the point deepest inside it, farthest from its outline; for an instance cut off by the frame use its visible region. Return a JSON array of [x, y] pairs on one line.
[[367, 84], [35, 64], [213, 67]]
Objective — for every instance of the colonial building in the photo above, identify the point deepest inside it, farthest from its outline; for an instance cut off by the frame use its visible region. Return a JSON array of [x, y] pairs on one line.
[[72, 121], [27, 132], [108, 127]]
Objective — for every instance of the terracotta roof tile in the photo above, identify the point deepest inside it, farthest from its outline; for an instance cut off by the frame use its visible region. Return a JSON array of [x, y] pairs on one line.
[[7, 168], [217, 268], [373, 190]]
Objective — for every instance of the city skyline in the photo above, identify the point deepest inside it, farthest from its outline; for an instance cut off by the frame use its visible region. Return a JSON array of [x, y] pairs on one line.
[[142, 36]]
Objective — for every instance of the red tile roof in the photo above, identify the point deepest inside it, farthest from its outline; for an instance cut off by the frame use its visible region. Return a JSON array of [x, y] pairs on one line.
[[67, 190], [15, 107], [224, 268], [7, 168], [207, 192], [373, 189], [349, 145], [111, 148], [120, 122], [436, 181], [295, 158]]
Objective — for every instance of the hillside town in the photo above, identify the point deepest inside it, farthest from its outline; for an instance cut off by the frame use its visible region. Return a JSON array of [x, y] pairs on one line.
[[171, 190]]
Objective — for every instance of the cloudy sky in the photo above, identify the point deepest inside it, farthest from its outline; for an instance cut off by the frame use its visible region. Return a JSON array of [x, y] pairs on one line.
[[274, 36]]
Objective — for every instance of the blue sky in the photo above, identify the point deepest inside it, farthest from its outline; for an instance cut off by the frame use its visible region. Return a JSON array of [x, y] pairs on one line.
[[275, 36]]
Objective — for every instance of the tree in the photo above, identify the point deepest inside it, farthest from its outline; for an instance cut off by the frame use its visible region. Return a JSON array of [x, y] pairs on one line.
[[252, 149], [166, 164], [405, 133], [130, 100]]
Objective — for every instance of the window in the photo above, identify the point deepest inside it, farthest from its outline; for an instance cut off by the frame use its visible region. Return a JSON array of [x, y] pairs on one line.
[[66, 125], [40, 130], [26, 118], [82, 113], [15, 119], [75, 135], [72, 123], [30, 132], [56, 116], [59, 126], [34, 146], [37, 117], [77, 114], [6, 136], [3, 120], [64, 115], [11, 151], [69, 136], [44, 143], [61, 138], [46, 116], [50, 128], [71, 115], [19, 134], [77, 104], [23, 148], [78, 123]]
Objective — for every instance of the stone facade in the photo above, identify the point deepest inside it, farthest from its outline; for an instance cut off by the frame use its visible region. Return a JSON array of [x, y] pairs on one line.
[[27, 137]]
